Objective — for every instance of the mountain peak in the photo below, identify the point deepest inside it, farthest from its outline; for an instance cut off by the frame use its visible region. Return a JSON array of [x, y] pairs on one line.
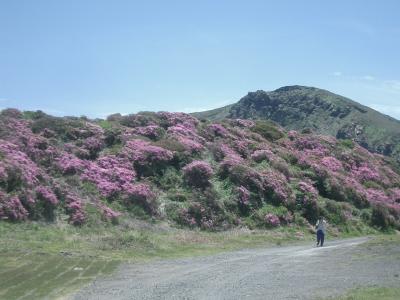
[[289, 88], [301, 107]]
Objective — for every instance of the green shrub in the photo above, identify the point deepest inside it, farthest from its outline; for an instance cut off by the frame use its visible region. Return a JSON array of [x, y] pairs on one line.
[[307, 131], [32, 115], [347, 143], [105, 124], [172, 211], [289, 157], [178, 196], [365, 215], [112, 136], [171, 179], [331, 188], [372, 185], [267, 130], [282, 167], [181, 156], [381, 217], [246, 176], [259, 216], [359, 200], [299, 219], [334, 212]]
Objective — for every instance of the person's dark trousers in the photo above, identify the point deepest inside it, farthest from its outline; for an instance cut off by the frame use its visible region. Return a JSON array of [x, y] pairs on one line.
[[320, 238]]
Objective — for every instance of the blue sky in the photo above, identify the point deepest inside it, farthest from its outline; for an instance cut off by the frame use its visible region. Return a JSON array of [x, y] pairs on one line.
[[95, 58]]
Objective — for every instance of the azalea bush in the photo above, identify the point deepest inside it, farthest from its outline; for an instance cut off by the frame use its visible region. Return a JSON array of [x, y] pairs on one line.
[[198, 173], [147, 158], [111, 174], [11, 208], [306, 201], [154, 132], [75, 209], [142, 194], [271, 220]]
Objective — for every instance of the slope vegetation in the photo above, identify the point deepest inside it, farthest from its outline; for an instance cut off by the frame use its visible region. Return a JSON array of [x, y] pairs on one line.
[[191, 173]]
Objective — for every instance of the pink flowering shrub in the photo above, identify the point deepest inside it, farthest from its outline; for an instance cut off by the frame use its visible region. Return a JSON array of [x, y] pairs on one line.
[[148, 159], [171, 119], [197, 214], [198, 173], [11, 208], [395, 195], [309, 143], [69, 164], [111, 175], [190, 145], [226, 166], [308, 188], [11, 113], [93, 145], [109, 214], [45, 194], [184, 130], [154, 132], [331, 163], [75, 209], [222, 151], [142, 194], [47, 202], [17, 168], [243, 175], [260, 155], [243, 196], [143, 153], [377, 196], [217, 130], [186, 217], [365, 172], [242, 146], [187, 136], [136, 120], [272, 220], [306, 201], [276, 188]]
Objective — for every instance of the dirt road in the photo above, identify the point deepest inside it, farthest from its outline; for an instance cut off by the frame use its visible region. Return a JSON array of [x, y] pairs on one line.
[[293, 272]]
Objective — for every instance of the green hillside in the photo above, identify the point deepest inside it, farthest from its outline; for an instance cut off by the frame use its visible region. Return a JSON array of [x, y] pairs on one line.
[[323, 112]]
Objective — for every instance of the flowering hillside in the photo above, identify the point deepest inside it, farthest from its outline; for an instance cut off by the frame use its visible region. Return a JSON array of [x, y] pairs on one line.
[[171, 166]]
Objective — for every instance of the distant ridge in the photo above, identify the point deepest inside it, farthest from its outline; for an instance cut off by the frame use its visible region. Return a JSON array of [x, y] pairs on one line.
[[309, 108]]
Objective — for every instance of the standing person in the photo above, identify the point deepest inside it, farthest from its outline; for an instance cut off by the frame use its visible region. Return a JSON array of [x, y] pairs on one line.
[[320, 226]]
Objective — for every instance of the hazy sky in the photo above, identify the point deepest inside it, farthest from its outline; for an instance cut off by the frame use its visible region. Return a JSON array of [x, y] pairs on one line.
[[99, 57]]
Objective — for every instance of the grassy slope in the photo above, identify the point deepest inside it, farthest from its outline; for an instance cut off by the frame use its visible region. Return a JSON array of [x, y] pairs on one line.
[[214, 114], [372, 293]]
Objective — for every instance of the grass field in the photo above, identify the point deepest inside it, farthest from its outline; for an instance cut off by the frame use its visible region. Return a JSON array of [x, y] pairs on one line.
[[50, 260], [371, 293], [45, 260], [35, 276]]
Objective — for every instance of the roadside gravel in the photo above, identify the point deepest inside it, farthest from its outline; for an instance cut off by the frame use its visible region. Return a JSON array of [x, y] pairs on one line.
[[290, 272]]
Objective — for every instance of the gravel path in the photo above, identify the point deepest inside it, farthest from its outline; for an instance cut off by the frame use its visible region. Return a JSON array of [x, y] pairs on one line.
[[293, 272]]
